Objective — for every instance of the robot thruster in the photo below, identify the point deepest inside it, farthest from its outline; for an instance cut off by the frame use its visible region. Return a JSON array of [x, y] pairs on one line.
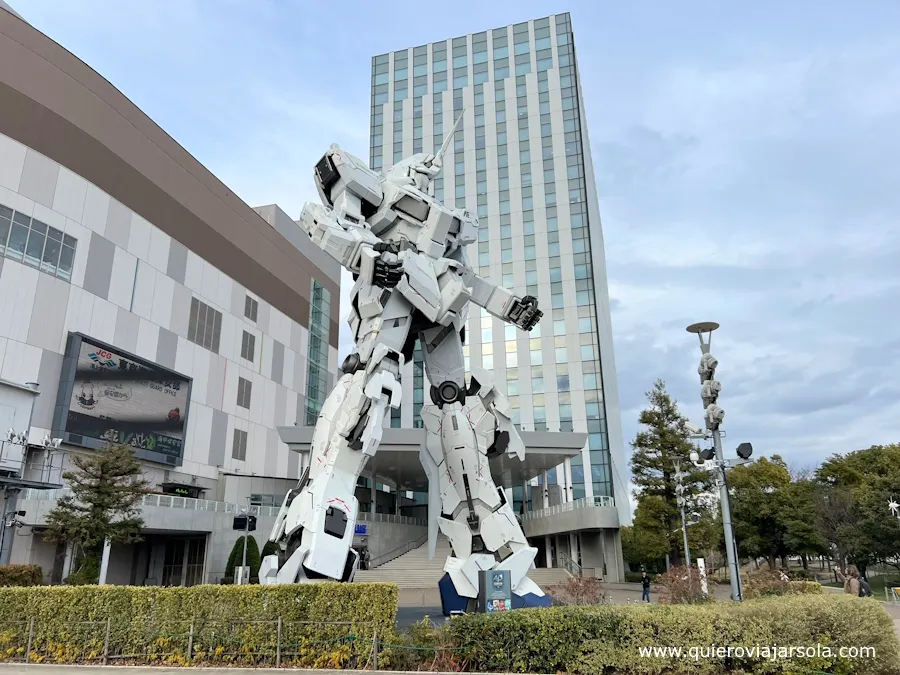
[[407, 255]]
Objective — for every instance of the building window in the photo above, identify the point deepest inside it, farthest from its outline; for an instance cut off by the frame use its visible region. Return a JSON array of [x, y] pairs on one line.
[[251, 308], [205, 326], [36, 244], [245, 388], [239, 445], [317, 368], [248, 346]]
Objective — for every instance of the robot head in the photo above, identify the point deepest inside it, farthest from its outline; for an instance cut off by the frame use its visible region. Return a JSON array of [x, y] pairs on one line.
[[421, 168]]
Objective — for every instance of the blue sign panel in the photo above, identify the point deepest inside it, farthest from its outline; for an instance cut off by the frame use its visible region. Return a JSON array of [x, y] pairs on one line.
[[495, 591], [361, 529]]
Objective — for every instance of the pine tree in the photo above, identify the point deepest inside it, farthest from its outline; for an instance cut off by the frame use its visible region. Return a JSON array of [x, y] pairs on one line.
[[106, 486], [237, 556], [656, 449]]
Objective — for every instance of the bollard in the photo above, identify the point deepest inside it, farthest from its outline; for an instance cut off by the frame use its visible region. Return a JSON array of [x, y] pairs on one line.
[[375, 649], [106, 641], [278, 645], [30, 640]]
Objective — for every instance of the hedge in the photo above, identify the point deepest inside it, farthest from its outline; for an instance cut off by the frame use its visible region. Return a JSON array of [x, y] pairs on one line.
[[220, 624], [606, 638], [21, 575]]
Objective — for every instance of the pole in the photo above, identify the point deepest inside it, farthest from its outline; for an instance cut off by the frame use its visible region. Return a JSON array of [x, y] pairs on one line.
[[246, 534], [104, 563], [687, 550], [724, 498]]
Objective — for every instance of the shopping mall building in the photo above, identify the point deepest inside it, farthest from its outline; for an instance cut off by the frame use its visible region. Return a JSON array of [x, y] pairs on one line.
[[214, 326]]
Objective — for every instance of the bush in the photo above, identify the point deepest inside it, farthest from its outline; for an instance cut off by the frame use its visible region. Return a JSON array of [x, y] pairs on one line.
[[231, 624], [768, 582], [270, 548], [683, 587], [606, 638], [236, 557], [21, 575], [806, 588], [578, 591]]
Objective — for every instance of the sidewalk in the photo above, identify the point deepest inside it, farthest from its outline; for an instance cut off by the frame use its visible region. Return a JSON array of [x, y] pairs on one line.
[[22, 669]]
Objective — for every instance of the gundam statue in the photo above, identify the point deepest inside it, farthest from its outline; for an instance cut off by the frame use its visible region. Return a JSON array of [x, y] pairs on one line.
[[407, 255]]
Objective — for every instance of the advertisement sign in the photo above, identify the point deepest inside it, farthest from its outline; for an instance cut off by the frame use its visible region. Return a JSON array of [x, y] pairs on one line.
[[114, 397], [361, 529], [496, 591]]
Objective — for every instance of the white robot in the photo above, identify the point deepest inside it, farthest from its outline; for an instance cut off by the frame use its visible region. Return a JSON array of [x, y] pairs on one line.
[[407, 255]]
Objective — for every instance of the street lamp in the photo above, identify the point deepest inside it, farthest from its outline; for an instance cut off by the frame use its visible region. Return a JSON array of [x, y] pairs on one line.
[[713, 415]]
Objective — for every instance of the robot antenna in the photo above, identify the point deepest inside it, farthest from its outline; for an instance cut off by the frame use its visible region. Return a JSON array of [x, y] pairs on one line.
[[439, 158]]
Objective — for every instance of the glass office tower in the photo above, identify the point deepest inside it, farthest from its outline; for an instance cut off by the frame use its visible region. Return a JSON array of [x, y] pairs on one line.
[[521, 160]]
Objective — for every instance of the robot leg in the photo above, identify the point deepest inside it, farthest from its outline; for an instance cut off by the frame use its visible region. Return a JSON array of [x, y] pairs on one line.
[[462, 432], [317, 519]]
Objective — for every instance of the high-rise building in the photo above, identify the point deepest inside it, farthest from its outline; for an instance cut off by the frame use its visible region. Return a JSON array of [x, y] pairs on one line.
[[521, 160]]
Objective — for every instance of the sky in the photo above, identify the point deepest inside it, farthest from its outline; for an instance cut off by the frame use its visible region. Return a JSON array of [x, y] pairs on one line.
[[744, 154]]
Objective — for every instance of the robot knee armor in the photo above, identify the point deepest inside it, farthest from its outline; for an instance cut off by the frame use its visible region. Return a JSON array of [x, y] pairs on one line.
[[447, 392]]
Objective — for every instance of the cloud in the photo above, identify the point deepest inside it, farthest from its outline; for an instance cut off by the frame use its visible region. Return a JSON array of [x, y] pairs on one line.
[[763, 196]]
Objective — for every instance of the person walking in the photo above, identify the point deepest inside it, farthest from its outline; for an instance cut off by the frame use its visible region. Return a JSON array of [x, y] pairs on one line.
[[850, 578], [645, 587]]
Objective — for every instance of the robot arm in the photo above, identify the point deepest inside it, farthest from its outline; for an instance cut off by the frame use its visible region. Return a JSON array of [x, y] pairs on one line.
[[354, 247], [498, 301]]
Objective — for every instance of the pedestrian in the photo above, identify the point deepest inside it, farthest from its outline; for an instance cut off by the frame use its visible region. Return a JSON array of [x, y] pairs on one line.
[[645, 587], [850, 577], [367, 557]]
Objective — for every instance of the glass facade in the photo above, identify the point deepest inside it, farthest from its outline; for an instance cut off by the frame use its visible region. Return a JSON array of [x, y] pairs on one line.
[[317, 358], [518, 161]]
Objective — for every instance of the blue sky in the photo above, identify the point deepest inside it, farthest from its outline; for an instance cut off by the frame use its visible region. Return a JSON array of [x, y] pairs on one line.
[[745, 154]]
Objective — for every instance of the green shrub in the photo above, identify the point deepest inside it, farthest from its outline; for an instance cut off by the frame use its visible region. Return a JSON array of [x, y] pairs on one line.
[[231, 624], [806, 588], [606, 638], [236, 557], [21, 575], [269, 548]]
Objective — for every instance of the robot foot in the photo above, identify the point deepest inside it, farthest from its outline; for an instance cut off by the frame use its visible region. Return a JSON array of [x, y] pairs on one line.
[[460, 594], [294, 572]]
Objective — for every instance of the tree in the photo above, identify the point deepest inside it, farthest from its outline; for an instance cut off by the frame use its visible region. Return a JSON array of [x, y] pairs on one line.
[[645, 544], [799, 509], [237, 556], [758, 520], [856, 488], [663, 442], [106, 486], [270, 548]]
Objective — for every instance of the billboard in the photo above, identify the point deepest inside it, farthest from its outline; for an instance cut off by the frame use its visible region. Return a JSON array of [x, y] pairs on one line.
[[110, 396]]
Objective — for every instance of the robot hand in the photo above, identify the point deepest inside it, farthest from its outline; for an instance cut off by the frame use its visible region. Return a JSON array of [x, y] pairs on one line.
[[524, 312], [388, 266]]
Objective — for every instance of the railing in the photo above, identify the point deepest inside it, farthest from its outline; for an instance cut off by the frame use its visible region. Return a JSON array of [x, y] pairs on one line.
[[587, 502], [573, 568], [189, 504], [397, 552]]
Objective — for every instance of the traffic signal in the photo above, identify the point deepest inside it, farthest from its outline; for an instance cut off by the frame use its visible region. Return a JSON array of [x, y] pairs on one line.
[[244, 523], [744, 450]]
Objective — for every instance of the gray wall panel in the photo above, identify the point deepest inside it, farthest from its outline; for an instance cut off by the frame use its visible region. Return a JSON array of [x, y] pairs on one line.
[[48, 378], [98, 272], [177, 266], [166, 348], [218, 438], [277, 361]]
